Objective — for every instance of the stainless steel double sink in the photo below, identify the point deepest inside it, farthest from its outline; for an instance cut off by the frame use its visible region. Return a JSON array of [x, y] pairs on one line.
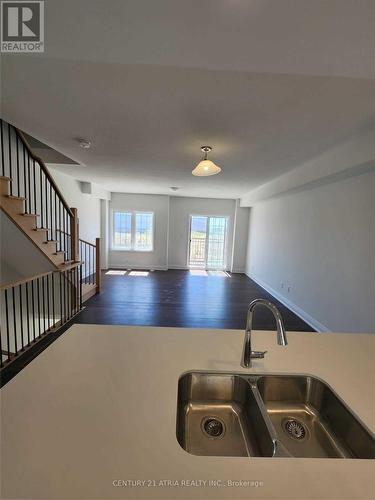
[[222, 414]]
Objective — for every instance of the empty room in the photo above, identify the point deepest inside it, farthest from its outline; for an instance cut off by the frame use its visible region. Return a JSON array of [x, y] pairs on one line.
[[187, 276]]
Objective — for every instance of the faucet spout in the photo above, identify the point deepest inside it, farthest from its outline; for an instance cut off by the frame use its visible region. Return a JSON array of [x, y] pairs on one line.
[[247, 353]]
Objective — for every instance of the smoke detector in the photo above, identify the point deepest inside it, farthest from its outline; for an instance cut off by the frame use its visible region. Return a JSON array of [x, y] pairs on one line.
[[84, 143]]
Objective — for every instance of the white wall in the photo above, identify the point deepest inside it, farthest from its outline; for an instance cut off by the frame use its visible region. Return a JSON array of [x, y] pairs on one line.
[[88, 205], [355, 156], [172, 229], [240, 240], [104, 234], [320, 243], [19, 257], [159, 204]]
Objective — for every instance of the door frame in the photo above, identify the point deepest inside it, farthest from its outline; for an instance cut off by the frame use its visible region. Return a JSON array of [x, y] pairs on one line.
[[227, 220]]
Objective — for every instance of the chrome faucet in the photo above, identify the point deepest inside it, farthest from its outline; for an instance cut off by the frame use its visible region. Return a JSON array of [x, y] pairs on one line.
[[247, 353]]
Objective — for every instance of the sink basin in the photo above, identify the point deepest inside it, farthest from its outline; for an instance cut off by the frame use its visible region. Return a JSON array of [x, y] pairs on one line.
[[218, 415], [223, 414], [310, 420]]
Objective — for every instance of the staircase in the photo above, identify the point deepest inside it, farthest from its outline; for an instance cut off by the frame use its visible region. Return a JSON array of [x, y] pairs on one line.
[[30, 198], [14, 208]]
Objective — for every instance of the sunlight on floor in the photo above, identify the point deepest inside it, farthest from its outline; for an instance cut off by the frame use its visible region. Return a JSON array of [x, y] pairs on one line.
[[193, 272], [198, 272], [202, 272], [220, 274]]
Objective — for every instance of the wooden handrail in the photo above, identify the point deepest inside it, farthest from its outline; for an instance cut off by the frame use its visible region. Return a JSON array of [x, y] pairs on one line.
[[24, 280], [27, 280], [33, 182], [46, 305], [87, 242], [80, 239], [45, 170]]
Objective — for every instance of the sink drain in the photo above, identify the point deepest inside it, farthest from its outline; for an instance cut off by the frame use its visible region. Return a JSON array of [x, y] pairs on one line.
[[295, 429], [213, 427]]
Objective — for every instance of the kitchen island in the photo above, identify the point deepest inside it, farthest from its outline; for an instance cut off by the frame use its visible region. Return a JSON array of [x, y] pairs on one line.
[[94, 417]]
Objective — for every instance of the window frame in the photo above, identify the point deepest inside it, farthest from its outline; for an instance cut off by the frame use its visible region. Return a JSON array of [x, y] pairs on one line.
[[133, 230], [113, 244], [228, 237]]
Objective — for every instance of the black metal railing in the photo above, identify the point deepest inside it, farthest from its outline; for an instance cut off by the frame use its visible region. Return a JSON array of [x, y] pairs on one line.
[[197, 252], [34, 307], [87, 252], [31, 180]]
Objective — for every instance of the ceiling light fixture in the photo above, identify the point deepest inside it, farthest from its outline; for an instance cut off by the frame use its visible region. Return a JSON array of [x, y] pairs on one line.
[[206, 167]]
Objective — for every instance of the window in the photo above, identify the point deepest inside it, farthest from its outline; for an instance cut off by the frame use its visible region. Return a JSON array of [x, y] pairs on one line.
[[133, 231], [123, 230]]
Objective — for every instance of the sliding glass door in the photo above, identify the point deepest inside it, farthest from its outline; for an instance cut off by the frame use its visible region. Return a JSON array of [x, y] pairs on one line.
[[207, 243]]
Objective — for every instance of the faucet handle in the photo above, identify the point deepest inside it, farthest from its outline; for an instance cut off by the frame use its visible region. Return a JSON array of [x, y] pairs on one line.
[[257, 354]]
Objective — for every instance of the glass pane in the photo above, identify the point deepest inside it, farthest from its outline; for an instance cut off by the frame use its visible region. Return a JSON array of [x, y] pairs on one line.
[[122, 230], [216, 242], [197, 256], [143, 232]]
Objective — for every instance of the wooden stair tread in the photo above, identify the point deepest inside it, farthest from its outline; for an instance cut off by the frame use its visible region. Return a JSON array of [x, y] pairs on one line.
[[65, 266], [15, 197], [34, 226]]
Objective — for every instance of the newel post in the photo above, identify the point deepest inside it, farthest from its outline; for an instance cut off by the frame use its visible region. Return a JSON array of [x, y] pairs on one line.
[[97, 269], [75, 235]]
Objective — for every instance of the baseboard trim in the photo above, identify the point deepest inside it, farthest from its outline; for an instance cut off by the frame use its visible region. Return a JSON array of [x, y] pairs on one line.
[[140, 268], [239, 270], [186, 268], [319, 327]]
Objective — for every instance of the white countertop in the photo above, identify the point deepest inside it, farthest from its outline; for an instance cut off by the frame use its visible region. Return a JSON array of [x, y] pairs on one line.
[[99, 405]]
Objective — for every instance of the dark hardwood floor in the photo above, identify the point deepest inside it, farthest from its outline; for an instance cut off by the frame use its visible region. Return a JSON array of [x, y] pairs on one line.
[[178, 298], [169, 298]]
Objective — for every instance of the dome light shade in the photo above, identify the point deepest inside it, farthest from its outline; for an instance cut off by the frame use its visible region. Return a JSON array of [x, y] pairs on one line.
[[206, 167]]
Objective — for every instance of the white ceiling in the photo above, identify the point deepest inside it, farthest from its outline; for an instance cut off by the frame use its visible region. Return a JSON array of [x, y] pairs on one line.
[[268, 83]]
